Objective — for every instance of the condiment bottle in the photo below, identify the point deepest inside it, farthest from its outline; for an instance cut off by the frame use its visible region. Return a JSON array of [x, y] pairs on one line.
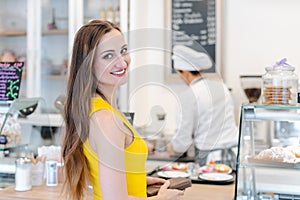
[[23, 174], [280, 84], [51, 178]]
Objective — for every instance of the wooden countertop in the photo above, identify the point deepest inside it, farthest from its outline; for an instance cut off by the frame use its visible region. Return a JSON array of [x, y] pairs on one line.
[[196, 192]]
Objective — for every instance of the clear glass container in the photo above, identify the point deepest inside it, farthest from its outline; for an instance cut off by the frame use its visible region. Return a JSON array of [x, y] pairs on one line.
[[280, 84], [273, 176], [23, 174]]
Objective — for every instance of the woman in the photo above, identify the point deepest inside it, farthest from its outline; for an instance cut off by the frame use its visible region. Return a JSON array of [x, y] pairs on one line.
[[99, 142]]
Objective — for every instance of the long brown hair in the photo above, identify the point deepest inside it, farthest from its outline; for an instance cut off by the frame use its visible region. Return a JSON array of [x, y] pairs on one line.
[[82, 83]]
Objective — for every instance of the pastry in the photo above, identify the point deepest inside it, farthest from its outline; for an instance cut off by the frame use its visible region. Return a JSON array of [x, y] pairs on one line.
[[179, 166], [295, 150], [279, 154], [222, 168]]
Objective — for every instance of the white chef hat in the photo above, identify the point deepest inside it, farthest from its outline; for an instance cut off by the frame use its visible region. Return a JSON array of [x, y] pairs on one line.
[[188, 59]]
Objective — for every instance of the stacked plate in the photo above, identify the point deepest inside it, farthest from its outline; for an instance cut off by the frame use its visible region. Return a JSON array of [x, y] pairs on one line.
[[173, 174]]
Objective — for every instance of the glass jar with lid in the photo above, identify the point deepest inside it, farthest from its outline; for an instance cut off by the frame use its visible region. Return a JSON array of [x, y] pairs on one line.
[[280, 84]]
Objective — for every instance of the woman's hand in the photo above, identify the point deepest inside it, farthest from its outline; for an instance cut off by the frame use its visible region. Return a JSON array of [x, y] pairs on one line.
[[169, 194], [155, 180]]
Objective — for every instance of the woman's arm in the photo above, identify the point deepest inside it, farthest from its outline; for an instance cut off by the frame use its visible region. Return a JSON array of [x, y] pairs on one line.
[[107, 138], [163, 194]]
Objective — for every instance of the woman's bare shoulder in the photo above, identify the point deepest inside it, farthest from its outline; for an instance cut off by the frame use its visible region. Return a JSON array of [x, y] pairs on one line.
[[105, 123]]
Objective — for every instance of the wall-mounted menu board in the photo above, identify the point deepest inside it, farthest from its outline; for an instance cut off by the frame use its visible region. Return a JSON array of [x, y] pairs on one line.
[[10, 80], [194, 25]]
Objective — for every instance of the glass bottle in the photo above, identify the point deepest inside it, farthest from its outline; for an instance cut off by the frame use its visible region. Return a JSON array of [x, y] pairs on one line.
[[23, 174], [280, 84]]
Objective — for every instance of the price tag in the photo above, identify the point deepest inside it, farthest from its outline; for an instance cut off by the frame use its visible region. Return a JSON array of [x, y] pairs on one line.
[[3, 139]]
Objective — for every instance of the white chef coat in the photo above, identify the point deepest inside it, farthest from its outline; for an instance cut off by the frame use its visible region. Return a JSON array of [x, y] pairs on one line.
[[206, 117]]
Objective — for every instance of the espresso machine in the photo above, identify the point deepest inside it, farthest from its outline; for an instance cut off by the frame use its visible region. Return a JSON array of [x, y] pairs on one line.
[[10, 148]]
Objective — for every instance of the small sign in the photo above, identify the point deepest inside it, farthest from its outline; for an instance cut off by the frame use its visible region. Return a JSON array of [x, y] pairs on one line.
[[10, 80]]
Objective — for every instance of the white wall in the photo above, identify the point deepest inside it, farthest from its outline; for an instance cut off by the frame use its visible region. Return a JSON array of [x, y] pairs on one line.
[[146, 70], [256, 34]]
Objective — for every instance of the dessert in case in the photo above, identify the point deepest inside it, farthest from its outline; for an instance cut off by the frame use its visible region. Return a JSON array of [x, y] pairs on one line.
[[289, 154]]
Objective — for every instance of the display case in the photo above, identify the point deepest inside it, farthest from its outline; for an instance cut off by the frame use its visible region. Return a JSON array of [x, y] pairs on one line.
[[41, 33], [13, 33], [268, 163], [54, 50]]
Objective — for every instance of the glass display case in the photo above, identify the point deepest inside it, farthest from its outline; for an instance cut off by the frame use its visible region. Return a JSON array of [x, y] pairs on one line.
[[268, 160], [40, 33]]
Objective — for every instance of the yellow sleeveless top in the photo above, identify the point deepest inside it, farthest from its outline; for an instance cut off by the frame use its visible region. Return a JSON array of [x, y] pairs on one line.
[[135, 158]]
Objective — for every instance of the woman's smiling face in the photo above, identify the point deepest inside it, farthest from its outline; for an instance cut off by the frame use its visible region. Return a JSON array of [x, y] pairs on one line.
[[112, 59]]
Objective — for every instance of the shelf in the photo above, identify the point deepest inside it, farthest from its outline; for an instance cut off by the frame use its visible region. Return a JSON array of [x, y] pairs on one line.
[[43, 119], [252, 163], [271, 112], [56, 32], [13, 33], [271, 107], [13, 147]]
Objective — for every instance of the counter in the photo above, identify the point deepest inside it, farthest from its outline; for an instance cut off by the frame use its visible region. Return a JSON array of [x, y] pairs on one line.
[[43, 119], [196, 192], [167, 157]]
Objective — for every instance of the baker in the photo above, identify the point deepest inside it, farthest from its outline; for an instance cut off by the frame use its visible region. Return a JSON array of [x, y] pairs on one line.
[[206, 118]]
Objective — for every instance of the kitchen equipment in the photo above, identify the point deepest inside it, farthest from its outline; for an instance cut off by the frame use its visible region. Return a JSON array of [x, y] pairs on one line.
[[60, 103], [28, 110], [10, 138], [129, 116], [280, 84], [251, 84]]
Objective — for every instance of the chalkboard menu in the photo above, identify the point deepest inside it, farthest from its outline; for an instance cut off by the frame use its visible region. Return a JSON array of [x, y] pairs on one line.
[[10, 80], [194, 25]]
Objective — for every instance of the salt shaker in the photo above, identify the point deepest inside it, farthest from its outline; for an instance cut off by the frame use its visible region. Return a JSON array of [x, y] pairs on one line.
[[23, 174], [51, 179]]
